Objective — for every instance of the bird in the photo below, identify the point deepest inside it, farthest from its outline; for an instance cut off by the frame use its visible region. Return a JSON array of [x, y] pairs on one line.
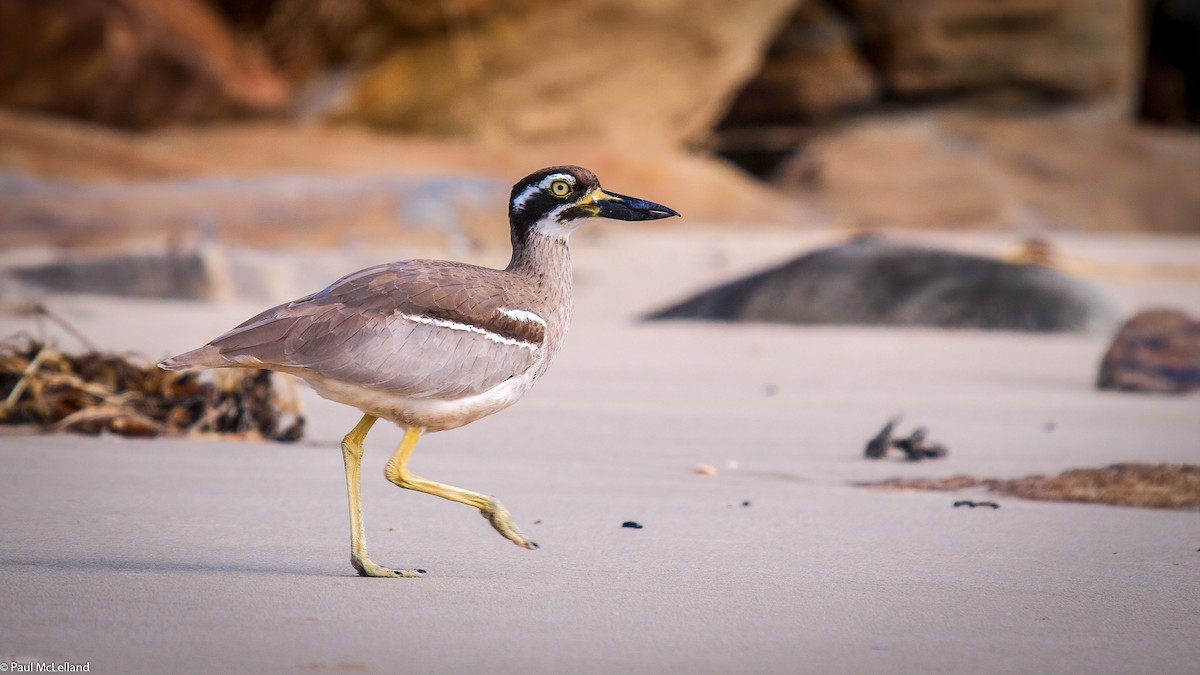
[[432, 345]]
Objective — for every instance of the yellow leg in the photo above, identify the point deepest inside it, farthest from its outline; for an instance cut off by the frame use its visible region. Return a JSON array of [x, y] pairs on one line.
[[352, 452], [491, 508]]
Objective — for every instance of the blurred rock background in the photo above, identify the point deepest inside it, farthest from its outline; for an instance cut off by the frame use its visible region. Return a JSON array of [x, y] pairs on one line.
[[313, 122]]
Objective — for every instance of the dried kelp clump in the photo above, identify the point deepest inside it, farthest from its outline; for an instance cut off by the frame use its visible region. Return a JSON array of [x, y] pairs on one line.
[[1155, 486], [95, 392]]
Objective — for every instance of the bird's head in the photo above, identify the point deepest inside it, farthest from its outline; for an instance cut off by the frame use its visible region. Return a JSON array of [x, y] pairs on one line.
[[557, 200]]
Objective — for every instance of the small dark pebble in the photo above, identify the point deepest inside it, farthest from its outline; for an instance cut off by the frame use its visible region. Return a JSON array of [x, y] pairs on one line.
[[968, 502], [537, 522], [420, 571], [746, 503], [633, 525]]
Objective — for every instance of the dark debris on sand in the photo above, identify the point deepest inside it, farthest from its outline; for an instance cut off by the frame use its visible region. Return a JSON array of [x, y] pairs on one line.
[[1155, 486], [95, 392], [915, 447]]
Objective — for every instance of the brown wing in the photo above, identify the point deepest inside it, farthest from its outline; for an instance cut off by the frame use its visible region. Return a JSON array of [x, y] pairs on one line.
[[414, 328]]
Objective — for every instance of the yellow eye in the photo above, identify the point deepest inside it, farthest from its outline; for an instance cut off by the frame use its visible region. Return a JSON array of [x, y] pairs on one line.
[[560, 188]]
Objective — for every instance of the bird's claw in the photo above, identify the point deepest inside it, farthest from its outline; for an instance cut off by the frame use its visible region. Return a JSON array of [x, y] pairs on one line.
[[366, 568], [502, 520]]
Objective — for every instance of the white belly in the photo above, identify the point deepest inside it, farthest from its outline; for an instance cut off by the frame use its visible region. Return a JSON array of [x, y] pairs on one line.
[[432, 414]]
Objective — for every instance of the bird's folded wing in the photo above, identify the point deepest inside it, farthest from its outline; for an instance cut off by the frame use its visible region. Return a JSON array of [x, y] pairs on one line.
[[415, 329]]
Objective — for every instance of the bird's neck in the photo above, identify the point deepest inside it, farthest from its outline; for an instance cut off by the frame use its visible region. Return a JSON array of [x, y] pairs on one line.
[[543, 256], [546, 260]]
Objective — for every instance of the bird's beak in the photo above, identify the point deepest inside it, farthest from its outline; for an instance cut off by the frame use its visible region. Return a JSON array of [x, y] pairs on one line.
[[601, 204]]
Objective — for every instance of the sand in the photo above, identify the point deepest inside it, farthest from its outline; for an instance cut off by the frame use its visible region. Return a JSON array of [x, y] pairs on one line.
[[173, 555]]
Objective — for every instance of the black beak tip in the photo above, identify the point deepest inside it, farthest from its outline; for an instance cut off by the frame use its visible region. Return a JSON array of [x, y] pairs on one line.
[[661, 211], [632, 208]]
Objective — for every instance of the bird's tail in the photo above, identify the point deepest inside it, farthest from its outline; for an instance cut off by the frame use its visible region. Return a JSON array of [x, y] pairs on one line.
[[207, 356]]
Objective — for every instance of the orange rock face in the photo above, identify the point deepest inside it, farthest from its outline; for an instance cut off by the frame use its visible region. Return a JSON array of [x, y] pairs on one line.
[[130, 63]]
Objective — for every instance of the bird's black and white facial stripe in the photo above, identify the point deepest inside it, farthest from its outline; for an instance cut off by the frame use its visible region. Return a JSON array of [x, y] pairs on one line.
[[559, 185], [542, 200], [556, 200]]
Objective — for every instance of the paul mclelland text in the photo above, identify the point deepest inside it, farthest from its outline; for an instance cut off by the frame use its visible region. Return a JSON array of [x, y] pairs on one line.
[[44, 667]]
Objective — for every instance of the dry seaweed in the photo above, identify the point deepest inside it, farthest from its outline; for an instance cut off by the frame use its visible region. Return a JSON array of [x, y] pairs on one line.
[[1156, 486], [96, 392]]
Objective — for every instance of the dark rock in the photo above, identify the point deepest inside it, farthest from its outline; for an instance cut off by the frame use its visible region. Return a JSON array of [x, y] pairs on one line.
[[1171, 84], [181, 276], [872, 281], [811, 71], [1155, 351], [811, 74]]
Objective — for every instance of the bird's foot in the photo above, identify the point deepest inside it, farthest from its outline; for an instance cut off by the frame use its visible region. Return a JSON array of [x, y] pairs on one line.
[[366, 568], [502, 520]]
